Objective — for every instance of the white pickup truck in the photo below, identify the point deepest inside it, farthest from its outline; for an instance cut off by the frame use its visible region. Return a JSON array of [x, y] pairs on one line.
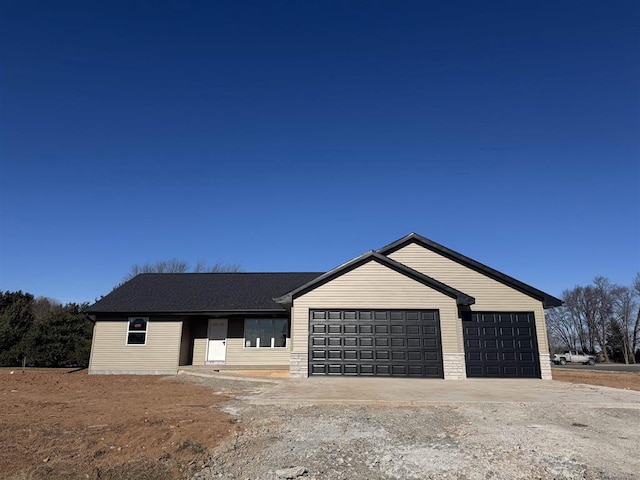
[[573, 356]]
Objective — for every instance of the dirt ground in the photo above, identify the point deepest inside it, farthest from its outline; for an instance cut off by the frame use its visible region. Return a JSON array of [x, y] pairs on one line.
[[60, 425], [627, 380], [55, 425]]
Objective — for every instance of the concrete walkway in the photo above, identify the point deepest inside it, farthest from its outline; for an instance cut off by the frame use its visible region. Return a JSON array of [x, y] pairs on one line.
[[415, 392]]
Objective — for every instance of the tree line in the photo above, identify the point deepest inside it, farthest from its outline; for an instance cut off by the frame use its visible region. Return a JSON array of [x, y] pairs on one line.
[[601, 318], [42, 332], [180, 266]]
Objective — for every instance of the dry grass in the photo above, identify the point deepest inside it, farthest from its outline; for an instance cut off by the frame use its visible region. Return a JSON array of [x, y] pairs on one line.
[[626, 380]]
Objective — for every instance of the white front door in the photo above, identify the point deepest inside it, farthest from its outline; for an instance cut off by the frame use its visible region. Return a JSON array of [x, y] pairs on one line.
[[217, 348]]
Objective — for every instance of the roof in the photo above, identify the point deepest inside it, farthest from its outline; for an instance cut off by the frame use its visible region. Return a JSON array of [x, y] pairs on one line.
[[547, 300], [201, 292], [461, 297]]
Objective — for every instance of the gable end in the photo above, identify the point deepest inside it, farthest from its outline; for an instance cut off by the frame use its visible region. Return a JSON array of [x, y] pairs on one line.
[[547, 300], [461, 297]]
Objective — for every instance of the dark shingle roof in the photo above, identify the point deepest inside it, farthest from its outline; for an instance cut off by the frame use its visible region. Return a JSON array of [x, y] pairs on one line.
[[201, 292]]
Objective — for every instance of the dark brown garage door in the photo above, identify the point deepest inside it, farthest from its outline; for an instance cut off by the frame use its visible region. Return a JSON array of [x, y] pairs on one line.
[[403, 343], [501, 344]]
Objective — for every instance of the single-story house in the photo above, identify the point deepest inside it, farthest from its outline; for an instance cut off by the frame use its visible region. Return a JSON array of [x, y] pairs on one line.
[[412, 308]]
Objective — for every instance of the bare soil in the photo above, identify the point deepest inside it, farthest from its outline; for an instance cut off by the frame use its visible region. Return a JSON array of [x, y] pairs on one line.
[[625, 380], [60, 425], [55, 424]]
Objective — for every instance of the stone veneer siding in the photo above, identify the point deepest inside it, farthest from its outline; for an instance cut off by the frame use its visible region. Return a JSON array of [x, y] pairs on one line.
[[454, 366], [299, 365], [545, 367]]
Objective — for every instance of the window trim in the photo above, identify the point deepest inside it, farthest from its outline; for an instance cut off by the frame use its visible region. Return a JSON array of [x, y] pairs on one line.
[[146, 332], [273, 339]]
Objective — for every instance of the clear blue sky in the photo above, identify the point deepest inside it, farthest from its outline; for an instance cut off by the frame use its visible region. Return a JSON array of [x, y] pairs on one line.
[[293, 136]]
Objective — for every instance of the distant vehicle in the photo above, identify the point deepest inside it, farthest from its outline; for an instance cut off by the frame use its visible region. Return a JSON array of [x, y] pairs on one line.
[[573, 356]]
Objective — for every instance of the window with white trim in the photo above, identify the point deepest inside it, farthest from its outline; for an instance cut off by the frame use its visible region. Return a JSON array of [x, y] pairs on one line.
[[137, 331], [265, 332]]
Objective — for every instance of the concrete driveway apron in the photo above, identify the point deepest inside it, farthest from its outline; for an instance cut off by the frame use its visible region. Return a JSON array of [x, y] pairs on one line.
[[414, 392]]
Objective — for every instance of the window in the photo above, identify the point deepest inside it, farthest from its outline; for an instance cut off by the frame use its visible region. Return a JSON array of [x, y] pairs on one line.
[[137, 331], [266, 332]]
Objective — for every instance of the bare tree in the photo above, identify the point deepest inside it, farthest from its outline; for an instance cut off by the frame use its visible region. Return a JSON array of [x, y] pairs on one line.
[[180, 266], [42, 306], [601, 316], [562, 329], [635, 331], [624, 311], [579, 309], [218, 267]]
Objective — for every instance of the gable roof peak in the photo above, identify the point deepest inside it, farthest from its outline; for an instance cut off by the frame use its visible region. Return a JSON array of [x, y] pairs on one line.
[[547, 300], [372, 255]]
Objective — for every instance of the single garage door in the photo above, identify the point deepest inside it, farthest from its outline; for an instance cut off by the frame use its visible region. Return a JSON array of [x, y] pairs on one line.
[[501, 344], [403, 343]]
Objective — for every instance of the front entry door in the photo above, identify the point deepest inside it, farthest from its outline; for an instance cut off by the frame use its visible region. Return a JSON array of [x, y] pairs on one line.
[[217, 348]]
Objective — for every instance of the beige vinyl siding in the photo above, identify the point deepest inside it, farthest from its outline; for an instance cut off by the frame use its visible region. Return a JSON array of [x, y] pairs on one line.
[[490, 294], [373, 285], [199, 351], [237, 355], [111, 354]]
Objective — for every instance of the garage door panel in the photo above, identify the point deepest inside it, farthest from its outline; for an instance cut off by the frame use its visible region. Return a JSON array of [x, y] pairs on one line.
[[429, 329], [319, 329], [366, 341], [472, 331], [318, 354], [375, 342], [334, 329], [412, 329], [431, 342], [416, 356], [398, 355], [366, 369], [350, 329], [495, 349], [397, 330]]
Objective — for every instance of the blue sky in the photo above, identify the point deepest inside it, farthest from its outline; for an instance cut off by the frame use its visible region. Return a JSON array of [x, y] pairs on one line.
[[293, 136]]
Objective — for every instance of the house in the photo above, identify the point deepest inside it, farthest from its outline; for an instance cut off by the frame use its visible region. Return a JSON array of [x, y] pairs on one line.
[[412, 308]]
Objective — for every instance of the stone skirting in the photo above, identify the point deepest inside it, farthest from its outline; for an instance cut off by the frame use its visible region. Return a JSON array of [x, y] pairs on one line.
[[545, 367], [299, 365], [454, 366]]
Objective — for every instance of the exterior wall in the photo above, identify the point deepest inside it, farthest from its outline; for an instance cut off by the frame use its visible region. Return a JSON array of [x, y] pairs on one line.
[[237, 355], [490, 295], [111, 354], [371, 286], [199, 351]]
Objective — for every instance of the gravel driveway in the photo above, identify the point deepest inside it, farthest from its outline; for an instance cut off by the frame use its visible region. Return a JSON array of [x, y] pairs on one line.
[[462, 440]]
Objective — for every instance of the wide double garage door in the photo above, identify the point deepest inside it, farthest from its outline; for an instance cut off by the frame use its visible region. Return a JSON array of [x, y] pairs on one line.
[[403, 343], [501, 344]]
